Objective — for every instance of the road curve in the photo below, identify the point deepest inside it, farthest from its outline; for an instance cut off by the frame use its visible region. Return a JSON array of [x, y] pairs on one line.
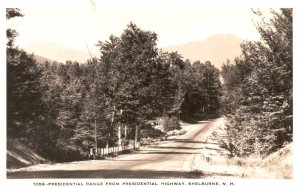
[[169, 159]]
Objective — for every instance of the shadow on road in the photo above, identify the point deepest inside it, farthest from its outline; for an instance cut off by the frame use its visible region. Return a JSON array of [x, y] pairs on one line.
[[189, 141], [109, 174], [173, 147], [201, 119], [166, 152]]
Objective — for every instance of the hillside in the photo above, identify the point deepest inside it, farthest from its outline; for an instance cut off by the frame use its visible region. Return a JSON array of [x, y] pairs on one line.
[[217, 49], [18, 155], [56, 52], [41, 59]]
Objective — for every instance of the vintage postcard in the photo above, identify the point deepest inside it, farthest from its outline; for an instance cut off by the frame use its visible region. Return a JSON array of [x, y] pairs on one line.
[[148, 93]]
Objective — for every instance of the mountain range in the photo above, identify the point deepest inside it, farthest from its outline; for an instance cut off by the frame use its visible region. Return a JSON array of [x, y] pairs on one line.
[[56, 52], [216, 49]]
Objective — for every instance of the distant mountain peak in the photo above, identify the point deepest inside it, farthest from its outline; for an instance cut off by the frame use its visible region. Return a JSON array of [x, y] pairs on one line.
[[216, 48]]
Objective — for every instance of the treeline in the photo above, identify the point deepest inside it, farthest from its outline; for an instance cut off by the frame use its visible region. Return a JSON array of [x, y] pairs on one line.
[[58, 108], [258, 89]]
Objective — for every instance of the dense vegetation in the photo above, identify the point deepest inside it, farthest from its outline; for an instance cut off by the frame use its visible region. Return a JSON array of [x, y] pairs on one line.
[[57, 108], [258, 89]]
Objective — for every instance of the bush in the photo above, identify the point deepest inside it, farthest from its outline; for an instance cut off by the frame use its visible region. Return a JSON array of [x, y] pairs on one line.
[[249, 133], [148, 131], [171, 123]]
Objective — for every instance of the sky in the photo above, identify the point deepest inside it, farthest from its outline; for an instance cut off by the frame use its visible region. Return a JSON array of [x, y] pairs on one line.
[[85, 22]]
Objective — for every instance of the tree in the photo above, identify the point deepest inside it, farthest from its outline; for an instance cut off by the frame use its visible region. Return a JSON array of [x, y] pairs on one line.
[[24, 106], [51, 87], [262, 111], [177, 66], [13, 12], [202, 89], [164, 86], [92, 130], [11, 34], [128, 63]]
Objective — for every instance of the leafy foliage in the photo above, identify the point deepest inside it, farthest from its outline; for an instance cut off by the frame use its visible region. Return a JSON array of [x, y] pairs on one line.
[[147, 131], [258, 89], [171, 123], [64, 109], [13, 12], [11, 34]]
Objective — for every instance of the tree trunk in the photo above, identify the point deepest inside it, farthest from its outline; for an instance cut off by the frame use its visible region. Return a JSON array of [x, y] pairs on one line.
[[48, 130], [136, 137], [96, 145]]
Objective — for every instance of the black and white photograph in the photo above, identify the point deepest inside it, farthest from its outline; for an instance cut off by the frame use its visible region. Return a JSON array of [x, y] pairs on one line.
[[138, 90]]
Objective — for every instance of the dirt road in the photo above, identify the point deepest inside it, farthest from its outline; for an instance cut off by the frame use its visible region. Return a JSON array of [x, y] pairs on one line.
[[169, 159]]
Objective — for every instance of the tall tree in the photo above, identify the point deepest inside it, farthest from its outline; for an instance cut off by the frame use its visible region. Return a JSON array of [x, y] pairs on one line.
[[262, 78], [202, 89], [23, 88], [51, 87], [129, 61]]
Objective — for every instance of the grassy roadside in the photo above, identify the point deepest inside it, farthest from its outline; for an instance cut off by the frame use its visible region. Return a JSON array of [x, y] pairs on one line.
[[278, 165], [214, 162]]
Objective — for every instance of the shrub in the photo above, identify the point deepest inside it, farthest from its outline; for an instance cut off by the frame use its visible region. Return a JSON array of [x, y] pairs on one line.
[[148, 131], [171, 123]]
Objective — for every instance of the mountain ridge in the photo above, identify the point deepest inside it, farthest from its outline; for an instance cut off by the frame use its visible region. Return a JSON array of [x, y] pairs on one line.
[[56, 52], [216, 49]]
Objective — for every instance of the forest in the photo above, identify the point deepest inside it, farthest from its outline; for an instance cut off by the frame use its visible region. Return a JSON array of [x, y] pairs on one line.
[[58, 108]]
